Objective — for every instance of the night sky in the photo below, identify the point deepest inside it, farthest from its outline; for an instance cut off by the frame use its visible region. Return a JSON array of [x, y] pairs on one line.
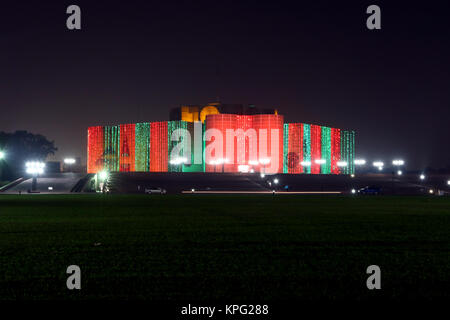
[[315, 61]]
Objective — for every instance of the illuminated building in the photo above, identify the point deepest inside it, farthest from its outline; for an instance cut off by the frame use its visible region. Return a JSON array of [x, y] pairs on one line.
[[221, 138]]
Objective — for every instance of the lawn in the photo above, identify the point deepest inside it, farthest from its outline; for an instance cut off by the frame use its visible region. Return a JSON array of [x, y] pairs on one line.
[[224, 248]]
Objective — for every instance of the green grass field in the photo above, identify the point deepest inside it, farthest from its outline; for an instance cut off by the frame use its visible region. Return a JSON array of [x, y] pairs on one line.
[[227, 248]]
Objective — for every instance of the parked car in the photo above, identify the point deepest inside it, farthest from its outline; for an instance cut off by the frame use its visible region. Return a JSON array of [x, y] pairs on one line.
[[373, 190], [155, 190]]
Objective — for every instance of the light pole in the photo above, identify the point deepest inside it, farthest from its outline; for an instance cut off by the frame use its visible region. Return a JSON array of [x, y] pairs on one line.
[[34, 168], [69, 162], [398, 163], [379, 165], [359, 163]]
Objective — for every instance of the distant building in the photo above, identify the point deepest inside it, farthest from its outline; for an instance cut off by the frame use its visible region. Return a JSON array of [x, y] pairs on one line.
[[52, 167]]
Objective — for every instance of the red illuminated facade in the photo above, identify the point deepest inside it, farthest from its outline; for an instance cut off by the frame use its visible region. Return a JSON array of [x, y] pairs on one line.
[[228, 142]]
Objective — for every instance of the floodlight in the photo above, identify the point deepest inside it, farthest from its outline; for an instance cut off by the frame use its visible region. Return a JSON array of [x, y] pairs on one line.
[[103, 175], [35, 167], [378, 163], [342, 163], [398, 162]]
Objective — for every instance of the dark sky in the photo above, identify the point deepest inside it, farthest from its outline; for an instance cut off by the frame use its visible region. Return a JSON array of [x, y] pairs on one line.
[[315, 61]]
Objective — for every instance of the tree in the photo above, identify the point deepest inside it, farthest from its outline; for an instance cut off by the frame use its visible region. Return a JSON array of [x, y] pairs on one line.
[[22, 146]]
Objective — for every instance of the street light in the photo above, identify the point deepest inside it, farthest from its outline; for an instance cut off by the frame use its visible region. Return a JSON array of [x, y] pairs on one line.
[[275, 181], [34, 168], [398, 162], [399, 172], [103, 175], [422, 177], [320, 161], [305, 163], [342, 163], [379, 165], [69, 161]]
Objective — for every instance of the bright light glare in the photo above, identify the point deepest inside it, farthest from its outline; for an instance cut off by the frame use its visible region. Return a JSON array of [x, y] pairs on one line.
[[252, 171], [360, 162], [69, 161], [217, 161], [243, 168], [399, 172], [253, 162], [398, 162], [378, 163], [305, 163], [342, 163], [352, 175], [50, 188], [264, 161], [35, 167], [320, 161], [422, 177], [103, 175], [353, 191], [262, 175], [275, 180], [178, 160], [2, 155], [431, 191], [448, 182]]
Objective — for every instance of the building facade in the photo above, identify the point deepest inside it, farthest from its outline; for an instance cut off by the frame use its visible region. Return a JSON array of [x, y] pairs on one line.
[[212, 139]]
